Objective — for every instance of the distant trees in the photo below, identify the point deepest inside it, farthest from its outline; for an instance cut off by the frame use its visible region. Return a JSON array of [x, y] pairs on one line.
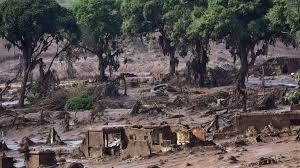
[[33, 26], [100, 22]]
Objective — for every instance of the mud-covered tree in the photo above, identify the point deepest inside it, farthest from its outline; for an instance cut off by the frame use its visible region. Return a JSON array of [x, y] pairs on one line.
[[33, 26], [187, 36], [100, 21], [248, 27], [148, 16]]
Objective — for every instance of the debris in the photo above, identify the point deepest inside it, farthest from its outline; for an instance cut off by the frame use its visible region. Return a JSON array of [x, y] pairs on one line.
[[219, 123], [180, 101], [209, 100], [153, 166], [251, 131], [55, 101], [270, 130], [26, 141], [188, 164], [266, 161], [266, 102], [53, 138], [163, 88], [66, 122], [111, 89], [97, 111], [259, 139], [240, 142], [231, 159], [3, 146], [75, 165], [199, 134], [222, 76], [138, 108]]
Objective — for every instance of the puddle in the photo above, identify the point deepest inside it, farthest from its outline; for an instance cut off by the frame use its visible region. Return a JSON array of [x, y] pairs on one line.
[[19, 163], [272, 84], [9, 104], [73, 143], [12, 145]]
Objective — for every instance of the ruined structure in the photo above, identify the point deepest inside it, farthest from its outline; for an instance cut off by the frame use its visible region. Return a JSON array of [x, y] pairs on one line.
[[6, 162], [130, 141], [37, 159], [259, 120]]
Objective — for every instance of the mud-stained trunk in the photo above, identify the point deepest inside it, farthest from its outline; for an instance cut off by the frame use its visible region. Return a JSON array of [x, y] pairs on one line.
[[173, 63], [241, 82], [71, 72], [101, 68], [23, 88], [27, 54], [125, 85], [201, 50]]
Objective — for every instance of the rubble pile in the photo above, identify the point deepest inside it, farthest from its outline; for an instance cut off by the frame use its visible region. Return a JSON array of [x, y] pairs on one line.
[[139, 108], [210, 100], [221, 76]]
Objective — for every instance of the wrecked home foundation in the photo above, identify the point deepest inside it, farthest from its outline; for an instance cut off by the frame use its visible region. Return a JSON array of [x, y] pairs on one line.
[[130, 141], [259, 120]]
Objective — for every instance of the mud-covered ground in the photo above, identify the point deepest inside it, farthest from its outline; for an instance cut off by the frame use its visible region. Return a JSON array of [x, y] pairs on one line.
[[279, 151]]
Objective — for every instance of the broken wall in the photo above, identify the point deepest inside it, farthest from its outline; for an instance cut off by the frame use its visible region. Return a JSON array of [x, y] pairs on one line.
[[139, 142], [260, 120], [92, 145], [38, 159], [6, 162]]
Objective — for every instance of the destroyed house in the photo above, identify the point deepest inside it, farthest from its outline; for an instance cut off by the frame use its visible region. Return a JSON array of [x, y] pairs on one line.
[[134, 141], [260, 120]]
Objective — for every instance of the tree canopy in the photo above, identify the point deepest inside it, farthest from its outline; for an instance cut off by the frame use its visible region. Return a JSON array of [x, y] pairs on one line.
[[100, 22], [248, 27], [32, 26]]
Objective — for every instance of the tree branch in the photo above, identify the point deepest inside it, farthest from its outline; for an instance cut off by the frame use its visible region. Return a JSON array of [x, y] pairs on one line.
[[14, 43], [56, 55]]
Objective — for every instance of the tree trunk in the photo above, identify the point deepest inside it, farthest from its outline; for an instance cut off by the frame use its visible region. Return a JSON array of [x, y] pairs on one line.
[[27, 54], [173, 63], [101, 68], [241, 82], [201, 50]]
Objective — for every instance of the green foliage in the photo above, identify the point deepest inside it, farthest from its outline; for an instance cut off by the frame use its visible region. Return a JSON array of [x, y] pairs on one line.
[[292, 97], [31, 19], [81, 102], [100, 22], [297, 76]]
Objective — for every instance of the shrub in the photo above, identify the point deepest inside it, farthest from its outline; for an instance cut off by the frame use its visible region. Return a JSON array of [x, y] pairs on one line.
[[81, 102], [297, 76], [292, 97]]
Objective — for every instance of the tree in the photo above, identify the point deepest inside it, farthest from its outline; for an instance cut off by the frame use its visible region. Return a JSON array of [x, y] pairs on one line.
[[100, 22], [147, 16], [188, 36], [248, 28], [33, 26]]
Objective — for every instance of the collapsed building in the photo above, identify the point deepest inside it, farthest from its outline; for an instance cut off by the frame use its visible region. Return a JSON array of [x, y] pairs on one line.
[[130, 141], [36, 159], [6, 162]]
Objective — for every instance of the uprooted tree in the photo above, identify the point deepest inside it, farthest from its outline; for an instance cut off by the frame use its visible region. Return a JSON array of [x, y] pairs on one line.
[[100, 22], [248, 27], [33, 26]]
